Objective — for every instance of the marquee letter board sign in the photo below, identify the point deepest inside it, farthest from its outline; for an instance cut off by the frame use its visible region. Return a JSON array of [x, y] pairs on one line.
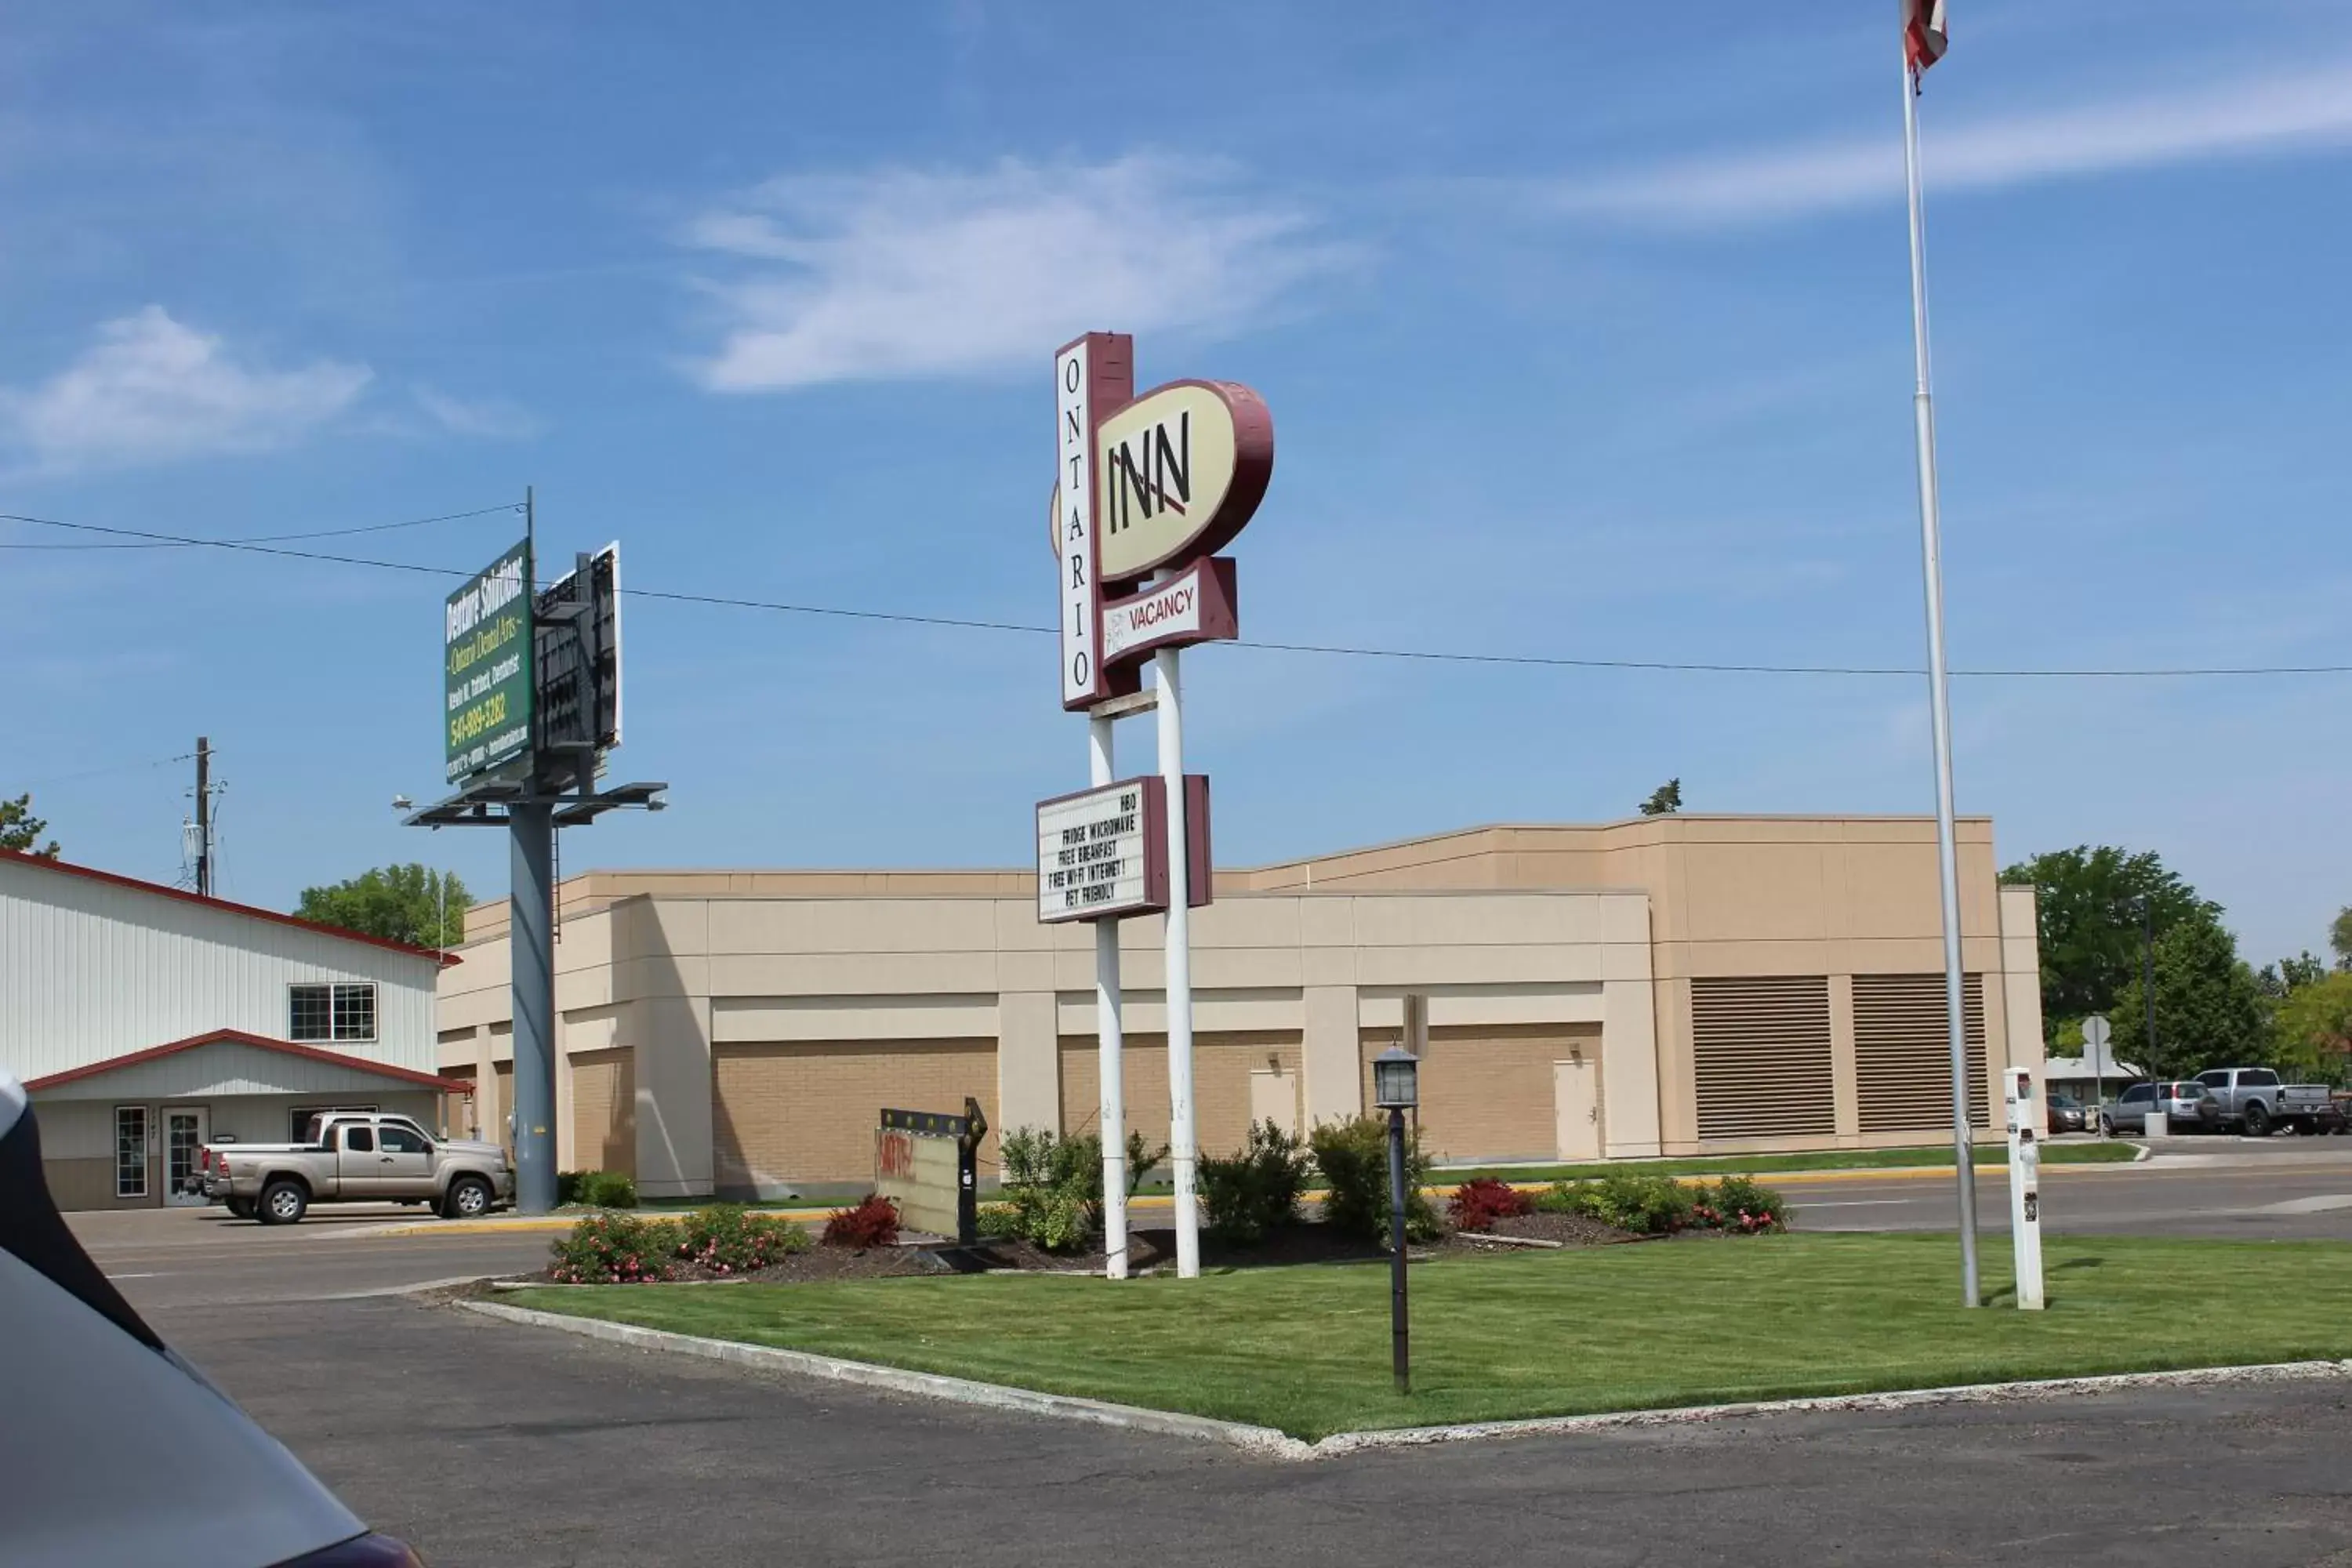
[[1102, 853]]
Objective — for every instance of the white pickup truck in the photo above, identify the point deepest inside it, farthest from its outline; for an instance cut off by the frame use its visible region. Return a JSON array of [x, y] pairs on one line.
[[2254, 1100], [358, 1159]]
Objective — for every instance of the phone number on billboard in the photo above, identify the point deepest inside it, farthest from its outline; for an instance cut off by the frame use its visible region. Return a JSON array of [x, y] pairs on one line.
[[487, 714]]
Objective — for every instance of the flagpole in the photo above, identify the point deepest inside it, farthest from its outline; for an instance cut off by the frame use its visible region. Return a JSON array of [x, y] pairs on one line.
[[1931, 550]]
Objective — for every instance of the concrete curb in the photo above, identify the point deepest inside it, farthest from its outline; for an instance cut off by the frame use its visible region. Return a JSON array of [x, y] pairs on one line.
[[930, 1386], [1269, 1443], [1906, 1399]]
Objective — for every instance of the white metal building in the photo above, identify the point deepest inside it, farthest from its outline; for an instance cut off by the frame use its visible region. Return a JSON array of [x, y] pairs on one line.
[[146, 1021]]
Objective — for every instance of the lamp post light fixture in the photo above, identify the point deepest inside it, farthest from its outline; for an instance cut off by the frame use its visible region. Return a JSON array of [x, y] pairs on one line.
[[1396, 1089]]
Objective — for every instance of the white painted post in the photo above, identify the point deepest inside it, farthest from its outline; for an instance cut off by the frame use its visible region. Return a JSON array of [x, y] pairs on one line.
[[2024, 1189], [1110, 1039], [1182, 1151]]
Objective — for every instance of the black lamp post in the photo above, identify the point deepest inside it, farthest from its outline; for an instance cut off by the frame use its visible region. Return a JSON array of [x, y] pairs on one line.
[[1396, 1089]]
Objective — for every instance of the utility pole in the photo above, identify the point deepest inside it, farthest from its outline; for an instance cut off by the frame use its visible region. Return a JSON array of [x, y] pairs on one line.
[[2147, 982], [203, 817]]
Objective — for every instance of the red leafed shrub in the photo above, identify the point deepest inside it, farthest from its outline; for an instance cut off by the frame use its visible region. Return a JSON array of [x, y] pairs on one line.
[[874, 1223], [1477, 1204]]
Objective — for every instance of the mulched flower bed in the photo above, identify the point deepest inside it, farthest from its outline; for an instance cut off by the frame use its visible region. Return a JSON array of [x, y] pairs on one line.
[[1152, 1250], [1304, 1242], [1568, 1229]]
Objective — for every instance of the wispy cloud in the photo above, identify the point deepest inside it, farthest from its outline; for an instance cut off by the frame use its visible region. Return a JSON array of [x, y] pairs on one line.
[[151, 389], [484, 418], [901, 274], [2247, 118]]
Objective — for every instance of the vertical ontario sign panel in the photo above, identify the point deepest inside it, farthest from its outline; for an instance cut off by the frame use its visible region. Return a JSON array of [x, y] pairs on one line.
[[486, 665], [1092, 376]]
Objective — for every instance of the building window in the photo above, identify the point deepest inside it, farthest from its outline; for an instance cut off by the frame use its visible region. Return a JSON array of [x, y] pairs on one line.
[[129, 1150], [339, 1012]]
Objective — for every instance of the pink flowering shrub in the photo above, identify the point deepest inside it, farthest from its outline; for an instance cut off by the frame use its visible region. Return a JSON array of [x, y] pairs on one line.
[[1738, 1203], [722, 1242], [614, 1248], [726, 1240]]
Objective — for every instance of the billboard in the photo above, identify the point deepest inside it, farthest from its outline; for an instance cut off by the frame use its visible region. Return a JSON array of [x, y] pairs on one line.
[[578, 643], [486, 661]]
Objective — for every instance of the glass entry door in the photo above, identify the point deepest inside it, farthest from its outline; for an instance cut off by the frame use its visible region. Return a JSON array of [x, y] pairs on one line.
[[183, 1139]]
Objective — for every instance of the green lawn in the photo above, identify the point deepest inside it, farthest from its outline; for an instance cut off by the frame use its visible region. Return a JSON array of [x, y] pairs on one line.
[[1684, 1322]]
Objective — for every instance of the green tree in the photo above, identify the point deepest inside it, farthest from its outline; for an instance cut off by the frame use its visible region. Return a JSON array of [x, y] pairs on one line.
[[20, 830], [2339, 937], [1667, 799], [2312, 1031], [2292, 974], [399, 904], [2087, 902], [2210, 1009]]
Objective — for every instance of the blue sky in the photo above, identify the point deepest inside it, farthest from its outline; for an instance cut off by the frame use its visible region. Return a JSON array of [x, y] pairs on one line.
[[1585, 331]]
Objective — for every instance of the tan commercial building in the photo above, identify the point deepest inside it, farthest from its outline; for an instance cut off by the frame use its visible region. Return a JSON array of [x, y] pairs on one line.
[[1667, 985]]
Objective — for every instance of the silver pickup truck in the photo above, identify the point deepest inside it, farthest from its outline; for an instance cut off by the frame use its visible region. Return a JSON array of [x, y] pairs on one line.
[[358, 1159], [2255, 1101]]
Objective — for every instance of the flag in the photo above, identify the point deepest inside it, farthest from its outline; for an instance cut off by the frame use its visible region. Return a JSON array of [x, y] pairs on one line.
[[1925, 35]]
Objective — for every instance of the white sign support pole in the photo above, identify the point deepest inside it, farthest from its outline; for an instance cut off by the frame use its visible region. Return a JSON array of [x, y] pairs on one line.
[[1110, 1032], [1181, 1150], [2024, 1189], [1940, 704]]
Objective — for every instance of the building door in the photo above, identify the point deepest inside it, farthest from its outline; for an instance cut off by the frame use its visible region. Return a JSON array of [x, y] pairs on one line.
[[1577, 1107], [183, 1173], [1273, 1096]]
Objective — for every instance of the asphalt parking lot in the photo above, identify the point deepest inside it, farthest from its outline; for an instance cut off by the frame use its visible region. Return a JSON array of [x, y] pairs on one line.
[[485, 1443], [491, 1443]]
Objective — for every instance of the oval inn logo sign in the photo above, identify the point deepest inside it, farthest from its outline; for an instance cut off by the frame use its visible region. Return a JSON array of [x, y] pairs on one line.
[[1165, 479], [1179, 472]]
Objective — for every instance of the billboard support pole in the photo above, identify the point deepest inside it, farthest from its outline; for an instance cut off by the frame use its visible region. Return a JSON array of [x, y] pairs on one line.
[[1110, 1032], [530, 930], [1182, 1151]]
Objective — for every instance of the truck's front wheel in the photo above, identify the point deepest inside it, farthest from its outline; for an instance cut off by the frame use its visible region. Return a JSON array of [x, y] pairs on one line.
[[284, 1202], [469, 1198], [2258, 1121]]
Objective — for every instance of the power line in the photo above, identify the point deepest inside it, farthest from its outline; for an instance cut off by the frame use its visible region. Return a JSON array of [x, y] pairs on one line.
[[1437, 655], [109, 768], [141, 541]]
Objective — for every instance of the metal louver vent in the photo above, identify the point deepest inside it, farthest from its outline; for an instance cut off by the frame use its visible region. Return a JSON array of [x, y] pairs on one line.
[[1761, 1050], [1903, 1056]]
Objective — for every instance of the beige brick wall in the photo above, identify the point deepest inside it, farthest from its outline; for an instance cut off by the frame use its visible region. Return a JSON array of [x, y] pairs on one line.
[[805, 1111], [1487, 1089], [1222, 1065], [603, 1112]]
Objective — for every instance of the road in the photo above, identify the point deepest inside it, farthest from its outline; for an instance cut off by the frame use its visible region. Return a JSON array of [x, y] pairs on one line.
[[489, 1443], [2280, 1189]]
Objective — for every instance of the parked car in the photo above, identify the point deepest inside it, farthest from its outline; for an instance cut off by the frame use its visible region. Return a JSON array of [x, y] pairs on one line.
[[2255, 1101], [116, 1450], [360, 1160], [2188, 1107], [2066, 1114]]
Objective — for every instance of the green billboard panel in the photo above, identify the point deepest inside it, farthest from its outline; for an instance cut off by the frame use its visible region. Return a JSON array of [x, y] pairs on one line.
[[486, 658]]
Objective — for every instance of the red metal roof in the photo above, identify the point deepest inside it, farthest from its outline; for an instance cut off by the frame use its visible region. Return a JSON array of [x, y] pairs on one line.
[[446, 958], [238, 1037]]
